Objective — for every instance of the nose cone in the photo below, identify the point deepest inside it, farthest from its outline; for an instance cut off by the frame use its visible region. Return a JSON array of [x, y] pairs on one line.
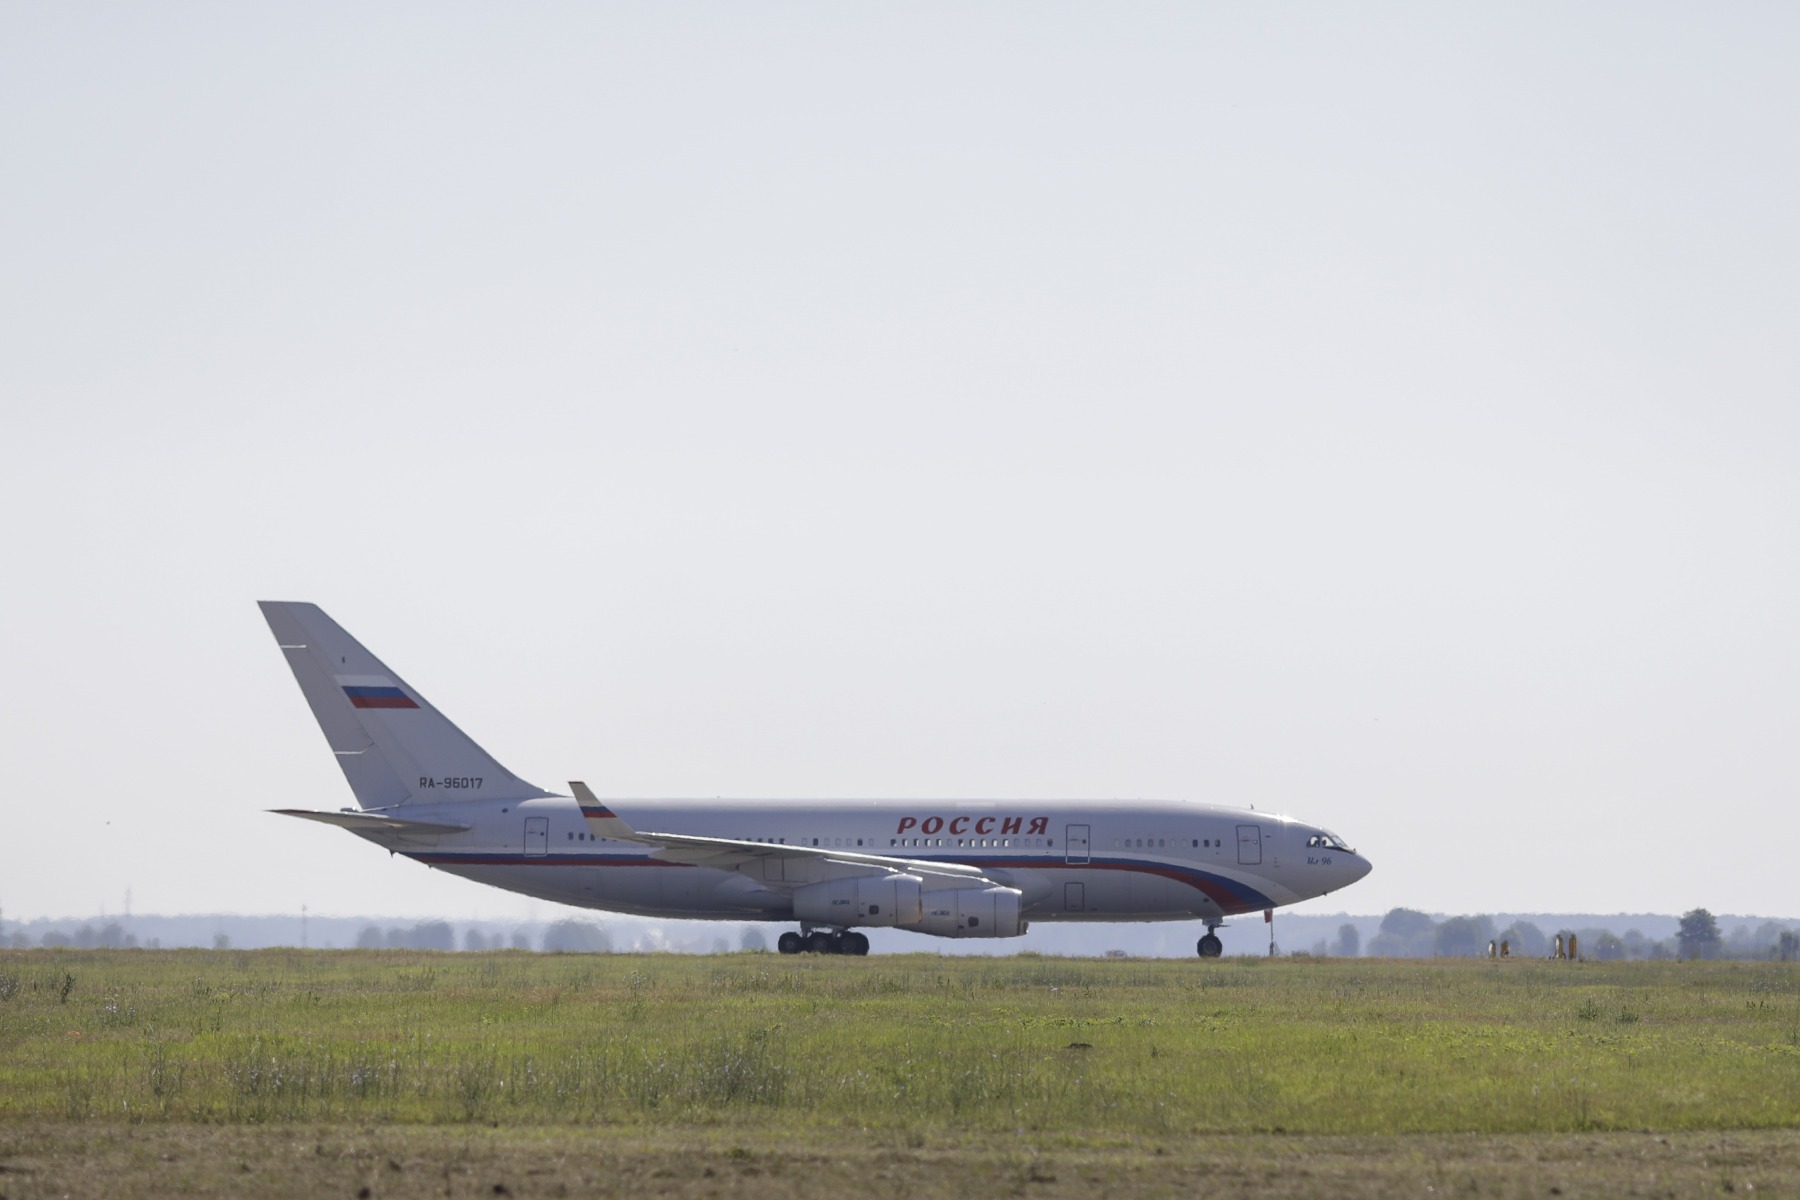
[[1358, 867]]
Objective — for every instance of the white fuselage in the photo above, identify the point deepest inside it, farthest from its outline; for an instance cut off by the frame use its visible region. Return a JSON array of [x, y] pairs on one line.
[[1072, 860], [946, 868]]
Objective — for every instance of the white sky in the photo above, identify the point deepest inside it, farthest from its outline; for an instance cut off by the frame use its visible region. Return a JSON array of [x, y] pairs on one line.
[[1385, 414]]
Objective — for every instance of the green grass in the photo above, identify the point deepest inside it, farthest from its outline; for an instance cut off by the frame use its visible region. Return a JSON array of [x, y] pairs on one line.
[[1068, 1051]]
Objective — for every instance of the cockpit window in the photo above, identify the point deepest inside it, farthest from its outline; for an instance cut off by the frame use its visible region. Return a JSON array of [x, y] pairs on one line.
[[1324, 840]]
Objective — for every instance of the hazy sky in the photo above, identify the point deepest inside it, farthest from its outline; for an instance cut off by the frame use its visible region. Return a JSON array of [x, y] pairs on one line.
[[1385, 414]]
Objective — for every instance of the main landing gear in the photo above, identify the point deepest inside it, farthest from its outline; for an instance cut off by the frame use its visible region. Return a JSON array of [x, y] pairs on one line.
[[819, 941], [1210, 946]]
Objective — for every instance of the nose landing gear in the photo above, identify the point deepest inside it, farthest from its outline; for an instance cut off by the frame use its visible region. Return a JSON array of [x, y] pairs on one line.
[[1210, 946], [820, 941]]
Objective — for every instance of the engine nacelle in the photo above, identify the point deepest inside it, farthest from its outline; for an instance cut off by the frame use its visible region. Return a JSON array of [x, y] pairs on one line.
[[861, 900], [972, 912]]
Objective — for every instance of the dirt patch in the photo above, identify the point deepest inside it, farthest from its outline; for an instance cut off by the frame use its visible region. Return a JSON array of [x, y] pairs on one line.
[[88, 1160]]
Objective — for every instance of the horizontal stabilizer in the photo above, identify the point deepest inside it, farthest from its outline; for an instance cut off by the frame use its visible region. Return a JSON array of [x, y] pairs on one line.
[[364, 822]]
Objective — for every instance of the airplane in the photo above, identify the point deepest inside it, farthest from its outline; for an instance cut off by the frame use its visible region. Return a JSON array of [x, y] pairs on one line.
[[945, 868]]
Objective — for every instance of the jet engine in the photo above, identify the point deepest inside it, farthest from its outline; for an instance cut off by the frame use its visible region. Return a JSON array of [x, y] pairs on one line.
[[861, 900], [972, 912]]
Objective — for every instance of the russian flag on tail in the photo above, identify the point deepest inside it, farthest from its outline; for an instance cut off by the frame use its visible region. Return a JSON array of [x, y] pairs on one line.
[[374, 691]]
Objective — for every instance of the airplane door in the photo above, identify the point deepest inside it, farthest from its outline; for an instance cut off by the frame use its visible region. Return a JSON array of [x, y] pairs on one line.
[[537, 836], [1249, 846], [1073, 898], [1075, 844]]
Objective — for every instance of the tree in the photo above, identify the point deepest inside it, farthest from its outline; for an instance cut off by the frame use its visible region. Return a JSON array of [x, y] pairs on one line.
[[1462, 937], [433, 935], [369, 938], [576, 937], [753, 939], [472, 939], [1698, 935], [1606, 946], [1524, 938], [1405, 933], [1349, 941]]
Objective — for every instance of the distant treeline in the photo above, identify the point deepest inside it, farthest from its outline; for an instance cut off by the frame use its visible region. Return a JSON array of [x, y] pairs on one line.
[[569, 936], [565, 936], [1408, 933], [1401, 933]]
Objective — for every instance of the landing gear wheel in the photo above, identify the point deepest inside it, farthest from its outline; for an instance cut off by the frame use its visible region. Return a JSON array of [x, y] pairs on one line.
[[1210, 946], [853, 943], [789, 943], [818, 943]]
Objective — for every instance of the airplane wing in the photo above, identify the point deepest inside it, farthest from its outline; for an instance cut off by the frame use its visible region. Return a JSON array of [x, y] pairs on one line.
[[773, 863]]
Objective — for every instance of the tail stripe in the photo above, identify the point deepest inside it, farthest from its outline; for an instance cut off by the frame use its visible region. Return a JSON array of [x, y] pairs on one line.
[[379, 697]]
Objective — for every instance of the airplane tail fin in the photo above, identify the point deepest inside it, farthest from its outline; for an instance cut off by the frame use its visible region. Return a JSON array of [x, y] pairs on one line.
[[393, 746]]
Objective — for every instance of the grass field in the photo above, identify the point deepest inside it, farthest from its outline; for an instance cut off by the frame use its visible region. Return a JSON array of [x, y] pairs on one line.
[[143, 1072]]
